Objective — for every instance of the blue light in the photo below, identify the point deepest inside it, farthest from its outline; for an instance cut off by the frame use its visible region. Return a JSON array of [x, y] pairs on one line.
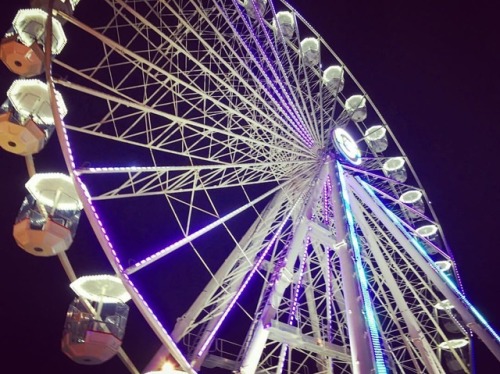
[[380, 366], [441, 273]]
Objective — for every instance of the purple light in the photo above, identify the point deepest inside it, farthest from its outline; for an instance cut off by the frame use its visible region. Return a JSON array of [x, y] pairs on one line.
[[302, 129], [297, 126], [107, 245], [329, 292], [327, 190], [242, 287], [291, 317]]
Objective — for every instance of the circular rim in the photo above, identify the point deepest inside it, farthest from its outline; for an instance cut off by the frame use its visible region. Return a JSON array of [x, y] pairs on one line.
[[94, 217]]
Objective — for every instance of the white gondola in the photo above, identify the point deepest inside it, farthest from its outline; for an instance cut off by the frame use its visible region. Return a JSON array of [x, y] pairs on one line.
[[286, 22], [376, 138], [333, 78], [29, 26], [309, 49], [431, 235], [413, 199], [395, 168], [355, 106]]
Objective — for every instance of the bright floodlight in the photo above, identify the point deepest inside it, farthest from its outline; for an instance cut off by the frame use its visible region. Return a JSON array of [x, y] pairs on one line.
[[30, 97], [101, 288], [286, 21], [29, 25], [444, 305], [347, 146], [453, 344], [356, 107], [333, 78], [54, 190]]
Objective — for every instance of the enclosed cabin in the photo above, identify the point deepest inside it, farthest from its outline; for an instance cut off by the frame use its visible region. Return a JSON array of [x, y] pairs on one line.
[[284, 24], [22, 49], [429, 236], [356, 109], [255, 8], [309, 50], [413, 199], [333, 79], [376, 138], [453, 357], [395, 168], [26, 118], [96, 320], [454, 340], [47, 221]]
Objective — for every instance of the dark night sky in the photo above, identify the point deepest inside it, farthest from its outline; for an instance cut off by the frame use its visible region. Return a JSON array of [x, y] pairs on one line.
[[432, 70]]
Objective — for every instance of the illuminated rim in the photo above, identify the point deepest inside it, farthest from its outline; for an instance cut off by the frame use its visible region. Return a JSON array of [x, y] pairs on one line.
[[347, 146], [101, 288], [291, 138]]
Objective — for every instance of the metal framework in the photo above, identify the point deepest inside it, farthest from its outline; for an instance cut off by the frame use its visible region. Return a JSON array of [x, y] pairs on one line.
[[212, 120]]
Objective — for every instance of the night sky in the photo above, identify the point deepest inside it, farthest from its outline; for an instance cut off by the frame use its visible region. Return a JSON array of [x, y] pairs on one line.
[[431, 68]]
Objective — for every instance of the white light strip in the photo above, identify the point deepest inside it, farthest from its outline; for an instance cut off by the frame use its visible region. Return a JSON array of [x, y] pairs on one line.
[[172, 247]]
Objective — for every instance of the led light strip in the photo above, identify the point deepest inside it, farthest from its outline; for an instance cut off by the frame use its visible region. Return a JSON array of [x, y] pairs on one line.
[[295, 301], [244, 285], [423, 252], [380, 366]]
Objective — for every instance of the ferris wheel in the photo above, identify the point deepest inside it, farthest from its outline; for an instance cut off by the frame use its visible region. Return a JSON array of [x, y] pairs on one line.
[[253, 202]]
